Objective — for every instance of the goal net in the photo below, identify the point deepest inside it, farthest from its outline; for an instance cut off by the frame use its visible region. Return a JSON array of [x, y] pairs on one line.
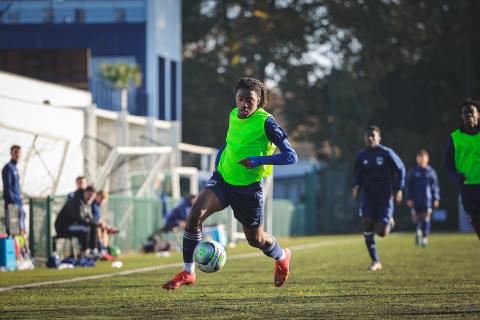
[[44, 160]]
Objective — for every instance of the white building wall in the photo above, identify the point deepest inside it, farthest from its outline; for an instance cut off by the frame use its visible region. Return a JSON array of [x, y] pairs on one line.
[[22, 114], [37, 91]]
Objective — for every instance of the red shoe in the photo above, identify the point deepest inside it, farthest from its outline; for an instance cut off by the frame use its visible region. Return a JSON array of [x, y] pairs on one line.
[[107, 257], [182, 278], [282, 268]]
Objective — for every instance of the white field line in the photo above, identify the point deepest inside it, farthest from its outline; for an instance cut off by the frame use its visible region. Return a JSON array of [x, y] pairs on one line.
[[299, 247]]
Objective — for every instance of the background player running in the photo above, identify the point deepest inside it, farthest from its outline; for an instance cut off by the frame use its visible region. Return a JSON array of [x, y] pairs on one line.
[[462, 160], [423, 195], [242, 164], [381, 174]]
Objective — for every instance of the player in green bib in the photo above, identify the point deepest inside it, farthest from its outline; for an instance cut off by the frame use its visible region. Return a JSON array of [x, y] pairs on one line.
[[241, 166], [462, 160]]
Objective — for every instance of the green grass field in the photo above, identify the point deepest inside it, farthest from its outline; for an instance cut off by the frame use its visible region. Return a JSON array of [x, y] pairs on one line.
[[328, 280]]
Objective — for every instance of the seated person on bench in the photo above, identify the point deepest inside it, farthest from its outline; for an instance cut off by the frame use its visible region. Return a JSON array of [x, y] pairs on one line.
[[76, 220], [178, 216], [103, 229]]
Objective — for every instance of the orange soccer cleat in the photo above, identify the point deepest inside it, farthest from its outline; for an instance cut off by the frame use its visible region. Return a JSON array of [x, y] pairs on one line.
[[282, 268], [180, 279]]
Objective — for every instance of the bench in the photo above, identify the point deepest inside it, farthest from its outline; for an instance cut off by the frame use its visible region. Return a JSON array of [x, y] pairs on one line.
[[68, 240]]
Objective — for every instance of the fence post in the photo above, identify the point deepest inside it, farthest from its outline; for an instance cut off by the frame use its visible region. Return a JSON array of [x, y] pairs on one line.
[[31, 236], [49, 227]]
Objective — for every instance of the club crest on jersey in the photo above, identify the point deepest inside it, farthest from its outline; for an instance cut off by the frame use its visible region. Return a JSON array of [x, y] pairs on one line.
[[379, 161], [211, 183], [365, 162]]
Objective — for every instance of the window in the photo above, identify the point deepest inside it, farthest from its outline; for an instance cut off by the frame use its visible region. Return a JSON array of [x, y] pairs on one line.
[[173, 90], [161, 88]]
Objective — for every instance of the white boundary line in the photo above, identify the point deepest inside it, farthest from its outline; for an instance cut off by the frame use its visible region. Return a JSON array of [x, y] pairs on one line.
[[299, 247]]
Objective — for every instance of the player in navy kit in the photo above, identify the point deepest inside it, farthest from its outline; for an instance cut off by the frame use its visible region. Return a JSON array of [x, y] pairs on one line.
[[422, 195], [380, 173]]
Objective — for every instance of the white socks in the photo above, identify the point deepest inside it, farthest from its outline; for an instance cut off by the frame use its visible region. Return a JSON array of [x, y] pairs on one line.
[[283, 255], [189, 267]]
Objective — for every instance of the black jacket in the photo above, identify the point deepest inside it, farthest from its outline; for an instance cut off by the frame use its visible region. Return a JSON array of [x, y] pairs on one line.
[[75, 211]]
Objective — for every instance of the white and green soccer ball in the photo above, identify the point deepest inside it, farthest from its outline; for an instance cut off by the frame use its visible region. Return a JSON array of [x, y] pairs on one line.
[[210, 256]]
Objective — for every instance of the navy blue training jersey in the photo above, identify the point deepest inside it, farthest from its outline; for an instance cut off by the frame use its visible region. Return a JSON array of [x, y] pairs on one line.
[[380, 173], [179, 213], [422, 186], [11, 184]]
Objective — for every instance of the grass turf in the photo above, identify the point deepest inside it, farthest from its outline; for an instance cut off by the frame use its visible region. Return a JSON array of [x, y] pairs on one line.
[[326, 282]]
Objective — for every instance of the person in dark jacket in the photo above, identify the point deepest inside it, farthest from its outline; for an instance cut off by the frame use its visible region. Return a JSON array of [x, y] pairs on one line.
[[12, 195], [75, 219], [81, 182], [423, 195]]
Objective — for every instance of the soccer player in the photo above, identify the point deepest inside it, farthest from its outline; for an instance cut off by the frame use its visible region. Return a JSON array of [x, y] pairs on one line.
[[381, 174], [462, 160], [422, 194], [243, 163]]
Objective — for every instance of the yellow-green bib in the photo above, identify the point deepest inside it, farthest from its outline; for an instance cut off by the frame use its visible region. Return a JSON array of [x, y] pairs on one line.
[[467, 155], [245, 138]]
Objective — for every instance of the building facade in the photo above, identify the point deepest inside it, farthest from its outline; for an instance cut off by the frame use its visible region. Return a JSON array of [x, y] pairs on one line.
[[66, 41]]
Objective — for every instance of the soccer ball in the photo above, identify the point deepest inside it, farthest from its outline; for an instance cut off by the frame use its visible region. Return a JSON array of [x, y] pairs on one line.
[[210, 256]]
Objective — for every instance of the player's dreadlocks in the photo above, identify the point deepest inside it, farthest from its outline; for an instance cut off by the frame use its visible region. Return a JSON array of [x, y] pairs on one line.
[[255, 85]]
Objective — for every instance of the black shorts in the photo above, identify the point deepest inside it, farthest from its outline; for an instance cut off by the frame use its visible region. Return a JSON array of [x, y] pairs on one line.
[[471, 201], [246, 201]]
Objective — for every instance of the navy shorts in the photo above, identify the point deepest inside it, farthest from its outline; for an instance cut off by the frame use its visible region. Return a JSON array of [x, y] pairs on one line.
[[246, 201], [471, 202], [377, 212]]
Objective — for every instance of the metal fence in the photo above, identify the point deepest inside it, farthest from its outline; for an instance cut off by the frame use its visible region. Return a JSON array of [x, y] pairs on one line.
[[138, 218]]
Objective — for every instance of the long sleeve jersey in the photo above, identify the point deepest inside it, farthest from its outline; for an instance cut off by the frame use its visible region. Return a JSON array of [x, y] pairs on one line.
[[11, 184], [380, 173], [422, 186]]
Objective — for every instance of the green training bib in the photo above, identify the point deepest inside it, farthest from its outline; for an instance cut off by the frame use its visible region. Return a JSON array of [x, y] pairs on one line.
[[467, 155], [245, 138]]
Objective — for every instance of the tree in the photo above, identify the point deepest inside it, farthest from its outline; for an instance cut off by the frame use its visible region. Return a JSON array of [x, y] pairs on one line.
[[405, 66], [120, 76], [226, 40]]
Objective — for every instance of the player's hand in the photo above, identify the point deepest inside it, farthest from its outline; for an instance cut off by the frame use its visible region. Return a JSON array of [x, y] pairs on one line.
[[399, 197], [355, 192], [436, 204], [410, 203], [249, 163]]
